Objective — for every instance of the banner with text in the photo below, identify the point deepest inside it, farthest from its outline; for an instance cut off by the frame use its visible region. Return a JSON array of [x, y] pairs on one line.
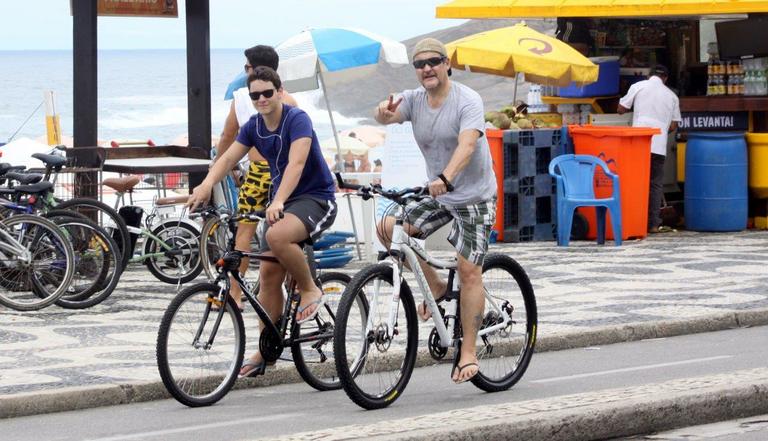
[[714, 121]]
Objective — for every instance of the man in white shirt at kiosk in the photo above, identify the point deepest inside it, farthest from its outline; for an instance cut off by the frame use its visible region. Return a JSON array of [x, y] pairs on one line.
[[655, 105]]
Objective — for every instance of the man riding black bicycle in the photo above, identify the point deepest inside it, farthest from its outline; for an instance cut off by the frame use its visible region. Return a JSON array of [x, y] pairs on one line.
[[302, 203], [449, 128]]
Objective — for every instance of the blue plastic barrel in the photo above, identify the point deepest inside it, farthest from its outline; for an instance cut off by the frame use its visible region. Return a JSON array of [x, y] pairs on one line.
[[716, 182]]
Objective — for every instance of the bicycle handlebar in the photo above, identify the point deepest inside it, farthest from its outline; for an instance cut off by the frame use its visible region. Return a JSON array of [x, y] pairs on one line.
[[400, 196]]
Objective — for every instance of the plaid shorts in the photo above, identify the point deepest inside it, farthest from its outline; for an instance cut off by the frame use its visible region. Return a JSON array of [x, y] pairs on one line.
[[471, 229]]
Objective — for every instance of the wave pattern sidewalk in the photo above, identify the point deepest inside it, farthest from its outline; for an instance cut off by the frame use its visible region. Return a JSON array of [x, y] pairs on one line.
[[584, 286]]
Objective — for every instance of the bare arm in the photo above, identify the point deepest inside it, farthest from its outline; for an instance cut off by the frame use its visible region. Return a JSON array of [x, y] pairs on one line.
[[229, 132], [673, 127], [296, 159], [460, 158], [202, 193]]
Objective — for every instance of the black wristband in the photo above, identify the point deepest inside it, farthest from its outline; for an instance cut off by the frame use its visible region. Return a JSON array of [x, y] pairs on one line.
[[448, 185]]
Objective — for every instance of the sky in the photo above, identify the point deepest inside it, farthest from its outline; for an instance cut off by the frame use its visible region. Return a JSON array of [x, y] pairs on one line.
[[47, 24]]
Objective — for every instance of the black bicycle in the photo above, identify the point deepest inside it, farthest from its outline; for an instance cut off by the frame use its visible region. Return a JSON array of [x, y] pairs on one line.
[[201, 342]]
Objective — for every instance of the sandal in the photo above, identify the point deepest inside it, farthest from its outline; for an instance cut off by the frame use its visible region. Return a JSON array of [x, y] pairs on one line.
[[662, 229], [319, 302], [423, 310], [256, 368], [461, 368]]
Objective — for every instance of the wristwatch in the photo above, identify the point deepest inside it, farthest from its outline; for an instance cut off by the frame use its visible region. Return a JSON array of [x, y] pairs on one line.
[[447, 183]]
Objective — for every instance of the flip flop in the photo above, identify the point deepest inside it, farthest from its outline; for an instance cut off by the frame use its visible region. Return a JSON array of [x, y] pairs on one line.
[[319, 302], [256, 368], [461, 368]]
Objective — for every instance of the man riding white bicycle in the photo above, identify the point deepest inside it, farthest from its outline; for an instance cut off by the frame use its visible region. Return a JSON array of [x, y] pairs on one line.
[[449, 127]]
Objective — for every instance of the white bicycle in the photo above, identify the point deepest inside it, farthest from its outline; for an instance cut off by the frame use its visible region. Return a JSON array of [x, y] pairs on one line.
[[375, 347]]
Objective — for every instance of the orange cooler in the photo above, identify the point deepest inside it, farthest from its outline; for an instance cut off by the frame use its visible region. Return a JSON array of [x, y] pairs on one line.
[[496, 144], [627, 152]]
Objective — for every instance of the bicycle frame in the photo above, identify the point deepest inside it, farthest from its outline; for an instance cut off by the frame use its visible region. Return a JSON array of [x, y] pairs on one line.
[[404, 245]]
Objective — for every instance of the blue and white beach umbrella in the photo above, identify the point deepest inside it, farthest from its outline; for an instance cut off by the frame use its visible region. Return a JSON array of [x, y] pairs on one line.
[[315, 57]]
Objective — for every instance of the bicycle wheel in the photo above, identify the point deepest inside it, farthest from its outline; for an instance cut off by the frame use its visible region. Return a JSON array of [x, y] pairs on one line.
[[510, 308], [314, 357], [182, 263], [214, 239], [107, 218], [199, 359], [97, 263], [373, 368], [36, 262]]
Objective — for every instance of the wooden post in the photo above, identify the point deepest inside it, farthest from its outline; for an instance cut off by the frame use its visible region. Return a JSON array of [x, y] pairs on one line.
[[198, 80], [85, 108]]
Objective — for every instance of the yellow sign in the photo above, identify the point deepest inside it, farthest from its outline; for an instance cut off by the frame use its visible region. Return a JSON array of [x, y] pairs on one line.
[[136, 8]]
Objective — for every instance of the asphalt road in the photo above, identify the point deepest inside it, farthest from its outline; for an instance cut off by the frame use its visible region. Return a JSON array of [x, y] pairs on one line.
[[281, 410]]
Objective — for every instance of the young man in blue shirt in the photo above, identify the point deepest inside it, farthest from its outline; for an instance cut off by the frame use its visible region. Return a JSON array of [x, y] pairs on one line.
[[302, 192]]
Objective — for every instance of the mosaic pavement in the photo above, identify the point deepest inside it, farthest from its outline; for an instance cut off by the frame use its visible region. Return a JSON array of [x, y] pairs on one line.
[[671, 276]]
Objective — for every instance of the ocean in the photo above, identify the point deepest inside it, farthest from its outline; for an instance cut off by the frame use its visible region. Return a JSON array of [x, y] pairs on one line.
[[141, 94]]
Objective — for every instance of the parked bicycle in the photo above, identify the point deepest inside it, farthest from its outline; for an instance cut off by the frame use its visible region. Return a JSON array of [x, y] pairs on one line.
[[36, 262], [170, 242], [375, 361], [201, 341]]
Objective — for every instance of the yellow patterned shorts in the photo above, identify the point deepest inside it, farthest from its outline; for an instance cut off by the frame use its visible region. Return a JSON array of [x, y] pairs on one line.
[[254, 193]]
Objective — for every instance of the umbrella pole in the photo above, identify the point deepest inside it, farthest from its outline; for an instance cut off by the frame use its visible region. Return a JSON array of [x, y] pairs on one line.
[[341, 161], [514, 94]]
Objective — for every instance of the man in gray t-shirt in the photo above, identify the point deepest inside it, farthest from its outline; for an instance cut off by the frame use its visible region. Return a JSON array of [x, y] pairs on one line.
[[449, 127]]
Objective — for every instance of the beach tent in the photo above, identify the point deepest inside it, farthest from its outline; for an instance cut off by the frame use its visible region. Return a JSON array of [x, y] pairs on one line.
[[20, 151]]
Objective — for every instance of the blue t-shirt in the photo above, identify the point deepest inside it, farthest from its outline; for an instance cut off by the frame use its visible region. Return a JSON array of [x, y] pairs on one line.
[[316, 179]]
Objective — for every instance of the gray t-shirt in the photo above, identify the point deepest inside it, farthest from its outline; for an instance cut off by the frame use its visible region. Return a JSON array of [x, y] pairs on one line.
[[437, 134]]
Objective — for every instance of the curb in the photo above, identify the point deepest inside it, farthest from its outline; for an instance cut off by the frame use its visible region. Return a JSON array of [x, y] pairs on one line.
[[605, 414], [76, 398]]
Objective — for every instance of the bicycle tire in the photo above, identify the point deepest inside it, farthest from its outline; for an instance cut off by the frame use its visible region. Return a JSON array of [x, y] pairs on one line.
[[46, 238], [355, 374], [189, 241], [496, 373], [95, 251], [213, 244], [320, 373], [115, 225], [188, 384], [60, 217]]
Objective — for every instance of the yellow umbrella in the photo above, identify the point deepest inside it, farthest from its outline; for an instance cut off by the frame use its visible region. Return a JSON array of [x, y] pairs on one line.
[[515, 49], [595, 8]]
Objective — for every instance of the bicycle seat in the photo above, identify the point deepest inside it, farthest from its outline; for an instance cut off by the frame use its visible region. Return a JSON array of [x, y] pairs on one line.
[[50, 160], [40, 187], [172, 200], [24, 178], [6, 167], [122, 184]]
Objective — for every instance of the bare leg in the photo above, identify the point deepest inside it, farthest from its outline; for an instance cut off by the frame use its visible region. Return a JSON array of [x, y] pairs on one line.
[[283, 238], [436, 284], [472, 307], [270, 295], [245, 232]]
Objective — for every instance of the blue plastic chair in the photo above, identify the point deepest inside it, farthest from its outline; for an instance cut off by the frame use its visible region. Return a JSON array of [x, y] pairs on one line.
[[575, 175]]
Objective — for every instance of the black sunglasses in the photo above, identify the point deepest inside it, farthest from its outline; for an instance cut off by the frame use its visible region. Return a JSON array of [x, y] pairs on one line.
[[267, 94], [432, 62], [246, 67]]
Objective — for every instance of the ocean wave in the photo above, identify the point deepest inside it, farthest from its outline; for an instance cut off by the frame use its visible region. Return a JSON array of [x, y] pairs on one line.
[[144, 99], [169, 116], [313, 103]]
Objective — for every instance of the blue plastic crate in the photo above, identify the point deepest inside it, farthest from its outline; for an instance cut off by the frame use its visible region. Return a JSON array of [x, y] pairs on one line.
[[607, 81], [334, 262]]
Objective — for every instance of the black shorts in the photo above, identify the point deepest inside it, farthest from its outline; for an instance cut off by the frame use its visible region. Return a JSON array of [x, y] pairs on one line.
[[317, 215]]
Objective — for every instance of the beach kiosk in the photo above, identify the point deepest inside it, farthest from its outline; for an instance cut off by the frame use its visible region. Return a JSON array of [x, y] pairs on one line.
[[717, 53]]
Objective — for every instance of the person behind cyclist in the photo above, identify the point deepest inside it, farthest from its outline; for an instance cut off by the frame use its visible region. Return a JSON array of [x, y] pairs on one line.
[[302, 190], [449, 128], [252, 195]]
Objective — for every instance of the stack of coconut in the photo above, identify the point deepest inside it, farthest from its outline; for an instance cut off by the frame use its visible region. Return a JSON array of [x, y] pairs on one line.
[[515, 118]]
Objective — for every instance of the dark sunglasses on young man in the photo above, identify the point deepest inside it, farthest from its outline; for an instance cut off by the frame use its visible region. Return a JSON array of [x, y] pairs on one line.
[[246, 67], [432, 62], [267, 94]]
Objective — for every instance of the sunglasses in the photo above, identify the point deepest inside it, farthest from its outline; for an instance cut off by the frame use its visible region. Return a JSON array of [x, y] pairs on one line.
[[432, 62], [267, 94], [246, 67]]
